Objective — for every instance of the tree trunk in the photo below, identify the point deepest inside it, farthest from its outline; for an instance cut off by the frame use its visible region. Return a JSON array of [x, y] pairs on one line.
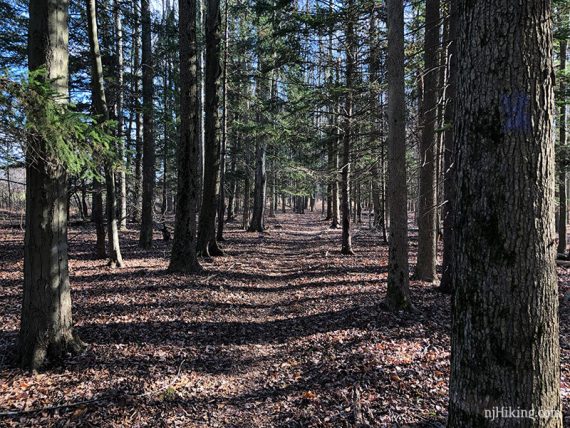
[[233, 180], [148, 161], [101, 109], [446, 283], [136, 212], [505, 335], [562, 217], [207, 243], [224, 143], [97, 217], [183, 257], [121, 176], [201, 89], [426, 264], [46, 328], [84, 205], [257, 223], [346, 247], [246, 190], [398, 295]]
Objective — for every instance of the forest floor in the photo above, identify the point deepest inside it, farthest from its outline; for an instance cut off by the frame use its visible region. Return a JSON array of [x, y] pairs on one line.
[[283, 331]]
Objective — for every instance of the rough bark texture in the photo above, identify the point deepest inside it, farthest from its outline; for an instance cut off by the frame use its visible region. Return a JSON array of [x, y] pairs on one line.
[[346, 247], [121, 175], [335, 187], [562, 205], [377, 179], [505, 338], [183, 257], [207, 244], [46, 329], [425, 267], [398, 294], [446, 283], [257, 223], [224, 130], [232, 194], [149, 155], [136, 212], [97, 216], [101, 109]]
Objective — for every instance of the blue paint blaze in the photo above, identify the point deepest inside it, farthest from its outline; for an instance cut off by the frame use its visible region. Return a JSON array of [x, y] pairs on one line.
[[515, 109]]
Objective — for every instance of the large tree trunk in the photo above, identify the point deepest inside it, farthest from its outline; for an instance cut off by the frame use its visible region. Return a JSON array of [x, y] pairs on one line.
[[398, 295], [425, 267], [505, 335], [346, 247], [148, 161], [207, 243], [46, 329], [101, 109], [562, 206], [446, 283], [183, 257]]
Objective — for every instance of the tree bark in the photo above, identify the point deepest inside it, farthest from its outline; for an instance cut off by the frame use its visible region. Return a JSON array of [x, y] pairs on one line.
[[426, 264], [562, 205], [505, 334], [207, 243], [136, 212], [121, 176], [46, 328], [183, 257], [346, 247], [149, 155], [398, 295], [101, 109], [224, 130], [265, 91], [446, 283], [233, 180], [257, 223]]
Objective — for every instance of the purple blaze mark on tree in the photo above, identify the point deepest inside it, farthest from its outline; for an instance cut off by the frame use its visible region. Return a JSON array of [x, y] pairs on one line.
[[515, 111]]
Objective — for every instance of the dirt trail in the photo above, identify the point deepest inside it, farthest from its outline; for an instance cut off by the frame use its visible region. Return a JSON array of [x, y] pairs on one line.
[[282, 331]]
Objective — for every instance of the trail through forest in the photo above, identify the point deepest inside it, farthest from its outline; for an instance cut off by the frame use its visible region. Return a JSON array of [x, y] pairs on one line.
[[282, 331]]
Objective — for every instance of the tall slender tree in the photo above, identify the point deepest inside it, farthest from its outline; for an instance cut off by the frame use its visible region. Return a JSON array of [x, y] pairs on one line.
[[426, 265], [505, 334], [351, 51], [119, 66], [207, 243], [183, 257], [149, 155], [224, 132], [398, 295], [446, 283], [100, 106], [137, 174]]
